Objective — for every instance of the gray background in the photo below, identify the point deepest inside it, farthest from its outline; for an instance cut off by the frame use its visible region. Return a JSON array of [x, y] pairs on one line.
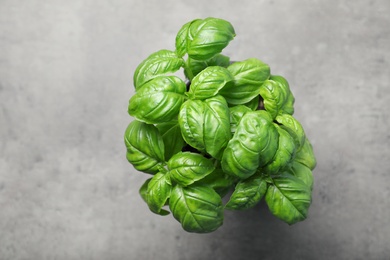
[[66, 189]]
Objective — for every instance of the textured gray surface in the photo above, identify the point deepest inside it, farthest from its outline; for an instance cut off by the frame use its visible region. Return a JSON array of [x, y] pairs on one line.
[[66, 189]]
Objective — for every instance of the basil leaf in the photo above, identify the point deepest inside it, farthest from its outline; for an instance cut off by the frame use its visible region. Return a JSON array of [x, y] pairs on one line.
[[284, 153], [159, 100], [205, 125], [208, 37], [306, 155], [208, 82], [294, 128], [248, 75], [186, 168], [274, 97], [158, 192], [289, 198], [181, 39], [157, 64], [145, 147], [303, 173], [197, 66], [143, 189], [254, 103], [171, 134], [248, 193], [253, 145], [236, 113], [218, 181], [198, 208], [289, 103]]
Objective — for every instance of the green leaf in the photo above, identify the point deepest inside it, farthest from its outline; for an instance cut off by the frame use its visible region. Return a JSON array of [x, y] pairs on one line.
[[306, 155], [181, 39], [219, 181], [157, 64], [274, 97], [302, 172], [159, 100], [205, 125], [197, 66], [208, 37], [236, 113], [254, 103], [198, 208], [158, 192], [284, 154], [253, 145], [208, 82], [186, 168], [145, 147], [248, 193], [288, 198], [248, 75], [143, 189], [171, 134], [294, 128], [289, 103]]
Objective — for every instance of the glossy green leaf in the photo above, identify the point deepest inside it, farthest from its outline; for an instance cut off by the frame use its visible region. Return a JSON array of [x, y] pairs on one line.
[[253, 145], [284, 154], [197, 66], [181, 39], [145, 147], [159, 100], [205, 124], [219, 181], [143, 189], [294, 128], [157, 64], [274, 97], [236, 113], [254, 104], [248, 75], [302, 172], [186, 168], [171, 134], [208, 37], [289, 103], [306, 155], [248, 193], [208, 82], [158, 192], [288, 198], [198, 208]]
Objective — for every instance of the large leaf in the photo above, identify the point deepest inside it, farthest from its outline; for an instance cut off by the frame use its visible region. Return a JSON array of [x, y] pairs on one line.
[[208, 37], [288, 198], [248, 75], [198, 208], [205, 124], [158, 192], [253, 145], [157, 64], [208, 82], [284, 154], [145, 147], [197, 66], [159, 100], [186, 168], [248, 193], [306, 155], [171, 134], [294, 128]]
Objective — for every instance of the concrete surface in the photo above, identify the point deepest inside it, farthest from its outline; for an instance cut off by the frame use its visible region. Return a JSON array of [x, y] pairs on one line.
[[66, 189]]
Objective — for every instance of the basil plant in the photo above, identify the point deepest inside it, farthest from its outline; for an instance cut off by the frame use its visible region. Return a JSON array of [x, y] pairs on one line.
[[227, 129]]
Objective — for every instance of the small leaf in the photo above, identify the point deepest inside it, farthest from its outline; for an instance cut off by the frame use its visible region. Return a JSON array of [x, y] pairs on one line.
[[248, 75], [158, 192], [197, 66], [198, 208], [159, 100], [253, 145], [173, 140], [145, 147], [236, 113], [181, 39], [302, 172], [219, 181], [248, 193], [294, 128], [157, 64], [289, 104], [274, 96], [288, 198], [208, 82], [306, 155], [187, 168], [208, 37], [143, 189]]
